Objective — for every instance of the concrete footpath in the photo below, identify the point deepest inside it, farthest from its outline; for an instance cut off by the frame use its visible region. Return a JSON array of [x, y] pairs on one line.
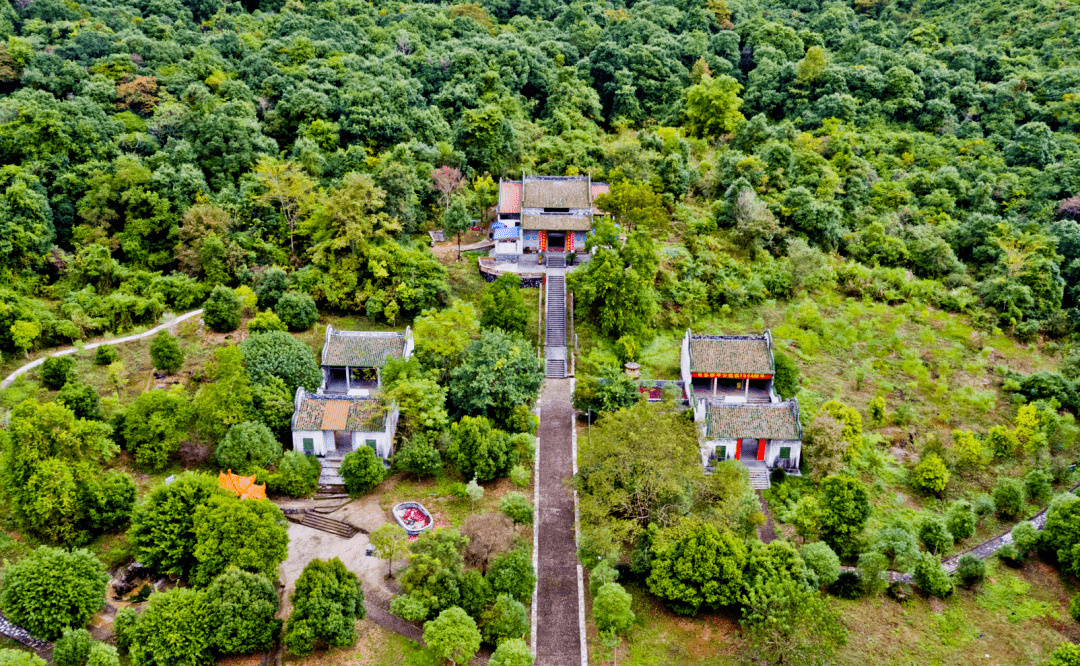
[[557, 636]]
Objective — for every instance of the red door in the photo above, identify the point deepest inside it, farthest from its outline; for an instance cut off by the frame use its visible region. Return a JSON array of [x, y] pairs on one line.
[[738, 449], [761, 449]]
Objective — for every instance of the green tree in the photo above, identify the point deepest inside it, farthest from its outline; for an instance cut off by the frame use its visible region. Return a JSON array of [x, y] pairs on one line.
[[635, 206], [297, 475], [1066, 654], [51, 590], [248, 445], [154, 425], [391, 543], [242, 608], [969, 450], [479, 451], [105, 354], [362, 471], [845, 508], [1062, 533], [453, 635], [960, 520], [443, 336], [1037, 486], [512, 573], [712, 106], [512, 652], [497, 373], [934, 535], [73, 648], [81, 399], [827, 447], [103, 654], [517, 508], [695, 565], [821, 562], [225, 397], [56, 371], [507, 618], [23, 334], [611, 609], [456, 221], [419, 457], [615, 294], [278, 354], [165, 353], [222, 310], [787, 623], [174, 630], [1008, 497], [108, 500], [503, 306], [931, 577], [248, 534], [421, 403], [970, 570], [786, 375], [10, 657], [296, 310], [163, 525], [930, 475], [326, 604], [266, 321]]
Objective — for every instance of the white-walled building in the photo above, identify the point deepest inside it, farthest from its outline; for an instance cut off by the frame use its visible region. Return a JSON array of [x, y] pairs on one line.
[[326, 423]]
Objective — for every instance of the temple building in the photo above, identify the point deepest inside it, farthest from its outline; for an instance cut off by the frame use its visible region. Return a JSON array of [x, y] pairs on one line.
[[327, 424], [545, 214], [352, 360], [735, 368], [769, 434]]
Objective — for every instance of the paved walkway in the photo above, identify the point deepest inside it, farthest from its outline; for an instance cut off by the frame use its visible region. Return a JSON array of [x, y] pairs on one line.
[[71, 350], [557, 638]]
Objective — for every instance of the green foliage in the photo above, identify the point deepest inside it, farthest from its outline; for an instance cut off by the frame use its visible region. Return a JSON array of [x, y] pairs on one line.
[[786, 622], [242, 608], [930, 475], [878, 415], [1074, 607], [507, 618], [326, 604], [51, 590], [409, 608], [520, 476], [930, 576], [1026, 538], [694, 565], [517, 508], [165, 353], [1002, 442], [227, 399], [391, 543], [786, 375], [614, 293], [498, 372], [222, 310], [419, 457], [297, 475], [601, 575], [154, 425], [712, 106], [163, 525], [81, 399], [503, 306], [422, 405], [124, 625], [934, 535], [970, 570], [296, 310], [960, 520], [102, 654], [248, 534], [611, 609], [362, 471], [108, 500], [1037, 486], [73, 648], [1008, 497], [105, 354], [248, 445], [822, 563], [512, 652], [178, 612], [278, 354], [266, 321], [1062, 532], [453, 635], [605, 394], [9, 657], [512, 573], [479, 451], [1066, 654], [845, 508], [56, 371]]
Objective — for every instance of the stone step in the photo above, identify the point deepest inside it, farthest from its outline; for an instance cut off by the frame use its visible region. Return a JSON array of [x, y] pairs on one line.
[[556, 368], [759, 478]]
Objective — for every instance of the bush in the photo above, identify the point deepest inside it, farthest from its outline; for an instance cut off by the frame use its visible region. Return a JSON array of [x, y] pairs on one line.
[[297, 475], [124, 627], [786, 377], [108, 500], [266, 321], [326, 604], [931, 577], [242, 606], [1026, 538], [512, 573], [847, 586], [960, 520], [1010, 555], [930, 475], [174, 630], [453, 635], [520, 476], [165, 353], [52, 589], [410, 608], [9, 657], [105, 354], [278, 354], [154, 424], [73, 648], [222, 310], [517, 508], [611, 609], [163, 524], [970, 570], [102, 654], [272, 286], [480, 451], [248, 445], [845, 508], [362, 471], [81, 399], [601, 575], [250, 534], [296, 310], [822, 563], [1074, 607], [56, 371], [512, 652], [1037, 486], [933, 534], [507, 618], [777, 476], [419, 457], [1008, 497], [983, 505]]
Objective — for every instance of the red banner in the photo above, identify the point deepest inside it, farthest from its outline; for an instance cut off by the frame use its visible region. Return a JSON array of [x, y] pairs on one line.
[[729, 375]]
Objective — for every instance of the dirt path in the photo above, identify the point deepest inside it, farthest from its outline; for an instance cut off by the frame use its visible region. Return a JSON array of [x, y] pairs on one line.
[[767, 532], [71, 350], [558, 636]]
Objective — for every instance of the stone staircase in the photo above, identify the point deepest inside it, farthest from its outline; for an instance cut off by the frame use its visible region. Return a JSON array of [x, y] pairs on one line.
[[556, 261], [555, 320], [330, 480], [759, 477], [328, 525]]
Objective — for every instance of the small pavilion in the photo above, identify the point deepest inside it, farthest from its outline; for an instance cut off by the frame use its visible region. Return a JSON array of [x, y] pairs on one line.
[[353, 360]]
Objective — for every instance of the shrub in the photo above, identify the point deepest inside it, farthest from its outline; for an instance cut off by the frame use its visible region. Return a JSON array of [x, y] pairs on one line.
[[81, 399], [124, 627], [105, 354], [822, 562], [877, 413], [9, 657], [73, 648], [786, 377], [163, 524], [517, 508], [970, 570], [242, 606], [983, 505], [248, 445], [1010, 555], [326, 604], [845, 508], [102, 654], [930, 475], [507, 618], [108, 500], [174, 630], [512, 573], [931, 577], [512, 652], [1002, 442], [960, 520], [266, 321], [278, 354], [611, 609], [453, 635], [154, 424], [1037, 486], [1074, 607], [297, 475], [601, 575], [56, 371], [272, 286], [249, 534], [520, 476], [419, 457], [165, 353], [362, 471], [296, 310], [1008, 497], [222, 310], [933, 534], [1026, 538], [847, 586], [410, 608], [52, 589]]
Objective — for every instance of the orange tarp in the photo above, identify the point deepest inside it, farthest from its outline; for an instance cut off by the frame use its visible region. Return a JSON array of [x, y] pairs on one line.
[[243, 487]]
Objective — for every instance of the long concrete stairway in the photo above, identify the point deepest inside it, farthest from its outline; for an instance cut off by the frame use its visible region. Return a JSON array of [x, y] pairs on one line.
[[555, 318]]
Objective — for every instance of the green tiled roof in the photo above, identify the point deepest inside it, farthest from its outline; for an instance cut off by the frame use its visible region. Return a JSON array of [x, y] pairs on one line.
[[551, 192], [557, 222], [358, 349], [730, 354], [363, 414], [778, 420]]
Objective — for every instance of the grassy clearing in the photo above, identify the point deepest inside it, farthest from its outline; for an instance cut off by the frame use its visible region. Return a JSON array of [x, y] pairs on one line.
[[375, 646]]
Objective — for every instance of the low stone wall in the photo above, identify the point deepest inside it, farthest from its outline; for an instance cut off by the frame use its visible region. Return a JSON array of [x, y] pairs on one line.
[[490, 273], [17, 633]]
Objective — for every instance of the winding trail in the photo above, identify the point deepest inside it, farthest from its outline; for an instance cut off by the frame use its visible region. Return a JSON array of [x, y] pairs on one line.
[[71, 350]]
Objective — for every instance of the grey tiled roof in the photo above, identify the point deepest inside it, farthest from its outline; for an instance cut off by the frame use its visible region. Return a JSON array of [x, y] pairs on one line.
[[557, 222], [336, 412], [730, 354], [555, 192], [362, 349], [778, 420]]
